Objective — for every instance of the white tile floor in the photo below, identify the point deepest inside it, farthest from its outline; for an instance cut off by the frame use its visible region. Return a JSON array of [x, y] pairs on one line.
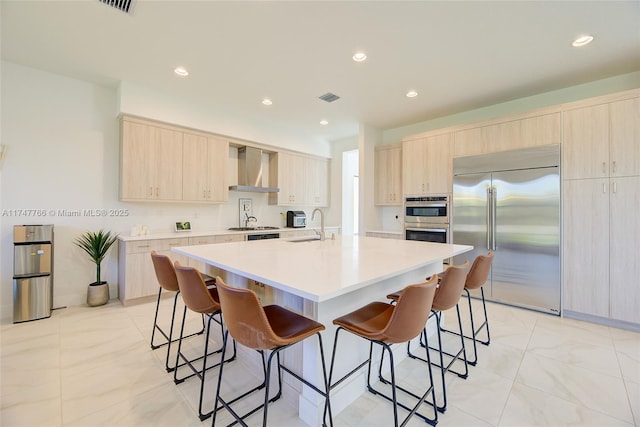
[[93, 366]]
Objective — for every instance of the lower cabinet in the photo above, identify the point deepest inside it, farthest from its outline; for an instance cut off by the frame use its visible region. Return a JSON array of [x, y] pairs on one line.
[[136, 275], [601, 234]]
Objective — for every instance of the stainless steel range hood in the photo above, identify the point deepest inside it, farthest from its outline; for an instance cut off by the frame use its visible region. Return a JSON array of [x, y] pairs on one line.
[[250, 172]]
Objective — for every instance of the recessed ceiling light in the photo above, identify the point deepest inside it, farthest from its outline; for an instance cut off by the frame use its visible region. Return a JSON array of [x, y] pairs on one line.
[[582, 41], [266, 101], [324, 122], [359, 56], [412, 94], [181, 71]]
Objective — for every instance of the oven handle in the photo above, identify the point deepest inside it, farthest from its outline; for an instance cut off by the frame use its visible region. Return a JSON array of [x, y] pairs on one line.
[[427, 229], [429, 205]]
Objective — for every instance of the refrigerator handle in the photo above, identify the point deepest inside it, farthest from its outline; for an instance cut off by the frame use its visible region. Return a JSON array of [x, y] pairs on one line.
[[488, 218], [494, 199]]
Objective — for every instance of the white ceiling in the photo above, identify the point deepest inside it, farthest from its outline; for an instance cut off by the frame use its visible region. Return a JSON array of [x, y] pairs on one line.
[[457, 55]]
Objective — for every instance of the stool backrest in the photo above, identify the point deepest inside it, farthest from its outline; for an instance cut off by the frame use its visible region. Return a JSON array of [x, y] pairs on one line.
[[479, 272], [451, 286], [411, 312], [245, 318], [165, 273], [194, 291]]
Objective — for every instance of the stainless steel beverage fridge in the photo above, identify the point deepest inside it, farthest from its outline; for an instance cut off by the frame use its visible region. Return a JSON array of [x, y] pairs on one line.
[[32, 272], [509, 203]]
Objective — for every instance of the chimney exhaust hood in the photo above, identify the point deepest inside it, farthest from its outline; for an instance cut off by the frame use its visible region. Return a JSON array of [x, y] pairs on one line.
[[250, 172]]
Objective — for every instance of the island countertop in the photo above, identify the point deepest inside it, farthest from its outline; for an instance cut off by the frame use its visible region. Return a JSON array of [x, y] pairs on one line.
[[321, 270]]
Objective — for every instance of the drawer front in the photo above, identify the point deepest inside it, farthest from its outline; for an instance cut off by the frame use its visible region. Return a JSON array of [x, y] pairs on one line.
[[143, 246], [230, 238], [202, 240]]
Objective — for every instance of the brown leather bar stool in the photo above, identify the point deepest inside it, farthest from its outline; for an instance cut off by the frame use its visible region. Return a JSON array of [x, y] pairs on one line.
[[271, 328], [447, 296], [476, 278], [200, 299], [166, 276], [385, 324]]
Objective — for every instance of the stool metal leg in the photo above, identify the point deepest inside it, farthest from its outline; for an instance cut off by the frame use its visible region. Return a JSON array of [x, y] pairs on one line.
[[168, 338], [394, 386]]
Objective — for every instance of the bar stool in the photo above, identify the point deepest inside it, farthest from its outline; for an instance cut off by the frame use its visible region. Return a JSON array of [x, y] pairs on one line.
[[386, 324], [261, 328], [166, 276], [200, 299], [447, 296], [476, 278]]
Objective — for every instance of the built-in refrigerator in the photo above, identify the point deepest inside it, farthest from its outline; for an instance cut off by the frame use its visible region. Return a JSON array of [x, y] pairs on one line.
[[509, 203]]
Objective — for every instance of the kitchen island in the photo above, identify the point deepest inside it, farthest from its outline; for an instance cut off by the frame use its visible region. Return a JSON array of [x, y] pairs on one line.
[[323, 280]]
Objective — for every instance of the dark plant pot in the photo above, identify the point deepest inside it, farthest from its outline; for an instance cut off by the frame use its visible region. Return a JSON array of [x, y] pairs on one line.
[[97, 294]]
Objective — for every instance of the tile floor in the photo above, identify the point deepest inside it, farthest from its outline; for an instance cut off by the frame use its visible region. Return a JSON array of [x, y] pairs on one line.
[[93, 367]]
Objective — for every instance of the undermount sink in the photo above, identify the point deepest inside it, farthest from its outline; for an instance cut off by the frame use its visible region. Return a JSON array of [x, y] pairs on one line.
[[307, 239], [264, 227]]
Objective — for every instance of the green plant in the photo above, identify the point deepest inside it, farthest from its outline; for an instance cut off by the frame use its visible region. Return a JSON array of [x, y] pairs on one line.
[[96, 245]]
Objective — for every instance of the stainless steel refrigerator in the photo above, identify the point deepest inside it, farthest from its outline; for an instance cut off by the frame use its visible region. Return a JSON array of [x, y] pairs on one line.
[[509, 202]]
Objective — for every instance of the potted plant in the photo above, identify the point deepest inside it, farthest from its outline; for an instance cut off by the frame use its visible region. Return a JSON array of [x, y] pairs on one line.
[[96, 245]]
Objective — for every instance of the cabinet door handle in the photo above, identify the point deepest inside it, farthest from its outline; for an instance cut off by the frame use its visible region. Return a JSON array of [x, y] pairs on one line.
[[614, 166], [151, 191], [604, 188], [615, 187], [604, 167]]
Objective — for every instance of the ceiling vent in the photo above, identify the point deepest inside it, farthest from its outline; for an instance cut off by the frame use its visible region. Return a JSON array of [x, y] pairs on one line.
[[329, 97], [123, 5]]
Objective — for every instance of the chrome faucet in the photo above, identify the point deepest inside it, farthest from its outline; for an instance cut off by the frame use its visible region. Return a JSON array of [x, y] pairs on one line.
[[321, 232]]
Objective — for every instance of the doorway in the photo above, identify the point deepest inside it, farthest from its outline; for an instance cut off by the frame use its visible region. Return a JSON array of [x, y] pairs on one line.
[[350, 192]]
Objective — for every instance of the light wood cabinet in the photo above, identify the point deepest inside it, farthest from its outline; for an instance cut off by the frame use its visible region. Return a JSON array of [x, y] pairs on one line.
[[586, 246], [318, 185], [208, 240], [601, 231], [151, 162], [302, 180], [509, 135], [136, 275], [602, 140], [601, 244], [205, 162], [427, 165], [624, 248], [388, 175]]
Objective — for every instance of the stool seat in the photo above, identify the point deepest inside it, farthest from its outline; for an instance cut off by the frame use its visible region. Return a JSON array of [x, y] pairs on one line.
[[290, 327], [368, 321]]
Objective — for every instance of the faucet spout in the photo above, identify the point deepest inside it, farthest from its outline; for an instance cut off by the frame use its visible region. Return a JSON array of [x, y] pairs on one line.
[[313, 215]]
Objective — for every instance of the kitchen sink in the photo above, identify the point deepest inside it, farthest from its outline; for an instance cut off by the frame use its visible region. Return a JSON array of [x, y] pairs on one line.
[[306, 239]]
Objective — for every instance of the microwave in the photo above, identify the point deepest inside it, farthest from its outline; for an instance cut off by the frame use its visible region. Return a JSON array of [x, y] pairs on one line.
[[430, 210], [296, 219]]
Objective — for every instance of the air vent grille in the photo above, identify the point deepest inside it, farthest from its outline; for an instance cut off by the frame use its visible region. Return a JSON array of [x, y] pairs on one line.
[[329, 97], [123, 5]]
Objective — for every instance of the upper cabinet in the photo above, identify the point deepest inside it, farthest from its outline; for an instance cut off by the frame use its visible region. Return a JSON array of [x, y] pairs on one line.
[[302, 180], [602, 141], [509, 135], [151, 162], [388, 175], [205, 160], [167, 163], [427, 165]]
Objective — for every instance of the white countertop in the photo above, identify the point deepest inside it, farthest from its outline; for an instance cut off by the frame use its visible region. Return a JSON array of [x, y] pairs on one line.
[[319, 271], [224, 232]]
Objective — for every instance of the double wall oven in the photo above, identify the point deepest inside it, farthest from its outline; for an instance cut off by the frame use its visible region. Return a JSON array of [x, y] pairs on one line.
[[426, 218]]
